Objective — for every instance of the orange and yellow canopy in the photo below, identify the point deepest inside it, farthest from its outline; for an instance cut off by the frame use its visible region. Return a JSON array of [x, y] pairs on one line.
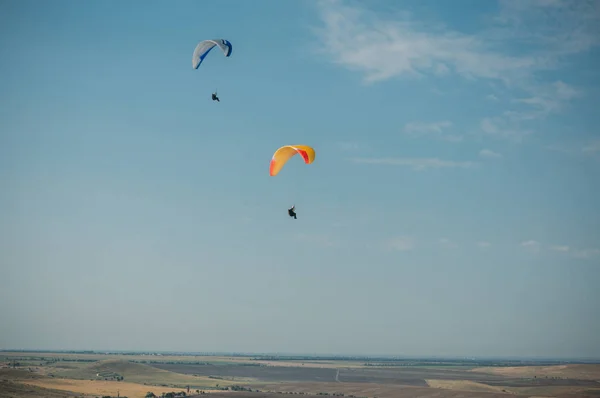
[[283, 154]]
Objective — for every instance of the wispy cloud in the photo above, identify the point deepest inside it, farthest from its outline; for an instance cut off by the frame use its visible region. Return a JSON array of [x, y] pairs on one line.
[[592, 148], [531, 245], [586, 253], [383, 46], [543, 101], [401, 243], [553, 28], [552, 31], [484, 244], [568, 149], [386, 46], [537, 247], [417, 164], [489, 154], [500, 127], [576, 253], [426, 128], [436, 129], [447, 243], [560, 248], [539, 101]]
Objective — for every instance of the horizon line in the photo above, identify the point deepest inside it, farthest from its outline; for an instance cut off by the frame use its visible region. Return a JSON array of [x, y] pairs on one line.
[[311, 355]]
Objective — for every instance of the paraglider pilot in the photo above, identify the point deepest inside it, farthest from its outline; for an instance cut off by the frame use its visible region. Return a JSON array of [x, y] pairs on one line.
[[291, 211], [215, 98]]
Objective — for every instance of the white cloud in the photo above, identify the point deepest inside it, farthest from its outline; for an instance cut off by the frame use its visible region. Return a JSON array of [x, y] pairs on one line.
[[591, 148], [424, 128], [499, 127], [544, 100], [417, 164], [401, 243], [487, 153], [560, 148], [531, 245], [447, 243], [441, 70], [536, 247], [559, 27], [484, 244], [383, 46], [432, 129], [586, 253]]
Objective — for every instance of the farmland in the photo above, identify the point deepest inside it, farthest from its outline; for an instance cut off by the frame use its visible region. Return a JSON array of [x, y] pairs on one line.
[[135, 375]]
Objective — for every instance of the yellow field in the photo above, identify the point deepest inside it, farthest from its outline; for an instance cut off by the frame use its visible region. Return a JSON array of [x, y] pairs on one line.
[[585, 372], [100, 387], [100, 373], [377, 390], [553, 391], [465, 385], [142, 374]]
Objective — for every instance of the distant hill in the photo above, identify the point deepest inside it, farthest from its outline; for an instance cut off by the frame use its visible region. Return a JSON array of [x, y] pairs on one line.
[[116, 369], [571, 371], [22, 374], [10, 389]]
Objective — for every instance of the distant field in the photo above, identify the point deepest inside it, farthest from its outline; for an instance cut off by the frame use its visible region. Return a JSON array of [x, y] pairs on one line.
[[244, 394], [10, 389], [135, 375], [264, 373], [310, 364], [559, 392], [45, 356], [21, 374], [414, 376], [465, 385], [142, 374], [573, 371], [101, 387], [376, 390]]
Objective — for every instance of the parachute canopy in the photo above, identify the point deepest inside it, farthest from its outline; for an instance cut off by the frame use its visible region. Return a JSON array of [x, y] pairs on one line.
[[204, 47], [283, 154]]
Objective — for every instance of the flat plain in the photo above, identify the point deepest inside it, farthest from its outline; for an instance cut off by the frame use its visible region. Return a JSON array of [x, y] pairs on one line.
[[88, 374]]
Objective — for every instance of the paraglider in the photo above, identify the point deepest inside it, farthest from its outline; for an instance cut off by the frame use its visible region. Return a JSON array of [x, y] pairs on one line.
[[203, 48], [291, 211], [281, 157], [283, 154]]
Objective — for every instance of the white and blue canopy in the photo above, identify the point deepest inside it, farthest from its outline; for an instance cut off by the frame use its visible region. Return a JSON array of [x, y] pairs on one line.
[[204, 47]]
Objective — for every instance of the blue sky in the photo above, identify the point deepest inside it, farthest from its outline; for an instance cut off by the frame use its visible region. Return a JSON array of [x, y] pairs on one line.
[[452, 208]]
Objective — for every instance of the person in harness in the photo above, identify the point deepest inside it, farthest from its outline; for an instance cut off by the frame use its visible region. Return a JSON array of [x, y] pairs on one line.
[[214, 97], [291, 212]]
